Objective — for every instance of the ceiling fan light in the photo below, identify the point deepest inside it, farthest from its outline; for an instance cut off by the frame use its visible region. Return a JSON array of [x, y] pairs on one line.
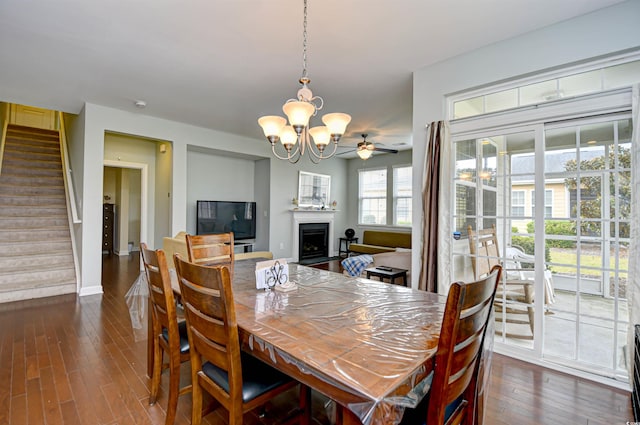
[[298, 113], [320, 135], [288, 136], [336, 122], [364, 152], [272, 125]]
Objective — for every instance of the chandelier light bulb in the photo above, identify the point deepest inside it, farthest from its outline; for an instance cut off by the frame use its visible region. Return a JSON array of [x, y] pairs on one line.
[[288, 136], [272, 125], [298, 113], [320, 136], [336, 122]]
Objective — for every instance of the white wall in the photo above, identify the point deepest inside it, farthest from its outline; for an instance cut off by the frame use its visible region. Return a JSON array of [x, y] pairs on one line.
[[262, 195], [603, 32], [163, 191], [282, 178], [284, 187], [213, 177]]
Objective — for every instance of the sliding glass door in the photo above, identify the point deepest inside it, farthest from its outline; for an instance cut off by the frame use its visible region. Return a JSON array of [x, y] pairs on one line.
[[558, 196]]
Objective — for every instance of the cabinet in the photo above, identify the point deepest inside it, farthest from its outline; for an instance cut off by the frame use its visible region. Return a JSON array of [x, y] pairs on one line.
[[107, 228]]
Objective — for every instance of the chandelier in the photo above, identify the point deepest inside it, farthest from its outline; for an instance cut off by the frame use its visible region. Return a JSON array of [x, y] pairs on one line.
[[296, 137]]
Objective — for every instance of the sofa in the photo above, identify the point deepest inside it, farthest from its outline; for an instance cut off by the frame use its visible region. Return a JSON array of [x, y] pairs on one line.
[[376, 242], [396, 259], [175, 245]]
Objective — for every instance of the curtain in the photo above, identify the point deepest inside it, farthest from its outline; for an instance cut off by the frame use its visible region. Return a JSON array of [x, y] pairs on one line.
[[437, 137], [633, 285]]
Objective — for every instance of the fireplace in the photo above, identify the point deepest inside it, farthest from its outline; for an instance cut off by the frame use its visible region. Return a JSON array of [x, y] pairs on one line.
[[314, 240], [310, 217]]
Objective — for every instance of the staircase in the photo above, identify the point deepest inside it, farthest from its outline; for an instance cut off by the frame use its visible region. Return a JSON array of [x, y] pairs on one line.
[[36, 255]]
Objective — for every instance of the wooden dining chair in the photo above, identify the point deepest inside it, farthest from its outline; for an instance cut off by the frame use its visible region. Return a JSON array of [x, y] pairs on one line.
[[235, 379], [515, 294], [211, 250], [453, 396], [168, 335]]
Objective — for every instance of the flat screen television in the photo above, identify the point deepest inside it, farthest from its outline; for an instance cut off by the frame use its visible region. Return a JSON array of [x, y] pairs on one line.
[[226, 216]]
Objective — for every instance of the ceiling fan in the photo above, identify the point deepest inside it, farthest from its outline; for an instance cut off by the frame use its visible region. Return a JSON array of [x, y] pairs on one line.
[[365, 149]]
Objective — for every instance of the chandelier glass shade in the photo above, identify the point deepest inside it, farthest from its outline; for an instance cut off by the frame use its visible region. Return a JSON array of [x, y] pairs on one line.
[[297, 136]]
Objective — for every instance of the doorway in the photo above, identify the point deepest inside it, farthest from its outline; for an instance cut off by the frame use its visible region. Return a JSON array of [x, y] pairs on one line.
[[125, 186]]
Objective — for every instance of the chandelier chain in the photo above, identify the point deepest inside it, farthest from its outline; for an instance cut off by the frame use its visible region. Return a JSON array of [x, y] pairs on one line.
[[304, 42]]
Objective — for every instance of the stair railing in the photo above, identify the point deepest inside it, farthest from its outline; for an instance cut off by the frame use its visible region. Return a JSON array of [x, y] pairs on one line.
[[66, 172]]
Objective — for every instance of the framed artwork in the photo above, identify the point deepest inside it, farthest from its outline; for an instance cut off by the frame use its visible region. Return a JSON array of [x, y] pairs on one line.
[[313, 189]]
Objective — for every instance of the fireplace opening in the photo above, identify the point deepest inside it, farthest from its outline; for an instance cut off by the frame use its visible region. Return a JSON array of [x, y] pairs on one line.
[[314, 240]]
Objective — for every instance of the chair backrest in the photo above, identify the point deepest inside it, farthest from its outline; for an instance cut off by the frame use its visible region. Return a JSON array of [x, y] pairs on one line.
[[211, 322], [211, 250], [457, 361], [483, 246], [163, 306]]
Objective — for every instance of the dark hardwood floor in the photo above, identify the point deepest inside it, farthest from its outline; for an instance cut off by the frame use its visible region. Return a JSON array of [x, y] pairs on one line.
[[70, 360]]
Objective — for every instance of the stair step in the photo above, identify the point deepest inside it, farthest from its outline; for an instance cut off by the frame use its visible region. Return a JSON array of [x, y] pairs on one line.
[[23, 129], [34, 234], [29, 262], [27, 293], [35, 223], [10, 188], [34, 279], [25, 146], [26, 180], [11, 169], [27, 200], [31, 163], [19, 211], [30, 155], [13, 249], [32, 135], [18, 143]]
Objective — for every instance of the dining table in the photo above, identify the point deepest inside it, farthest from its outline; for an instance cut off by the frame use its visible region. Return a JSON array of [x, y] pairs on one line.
[[367, 345]]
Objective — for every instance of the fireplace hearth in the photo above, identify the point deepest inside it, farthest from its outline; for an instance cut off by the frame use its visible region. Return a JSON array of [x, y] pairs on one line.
[[314, 240]]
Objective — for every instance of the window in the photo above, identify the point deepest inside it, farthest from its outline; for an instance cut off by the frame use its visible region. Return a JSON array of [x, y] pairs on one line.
[[604, 77], [372, 196], [402, 196], [548, 203], [517, 203]]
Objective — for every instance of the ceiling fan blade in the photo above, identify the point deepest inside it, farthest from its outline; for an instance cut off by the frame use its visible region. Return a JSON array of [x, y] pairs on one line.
[[385, 150], [346, 152]]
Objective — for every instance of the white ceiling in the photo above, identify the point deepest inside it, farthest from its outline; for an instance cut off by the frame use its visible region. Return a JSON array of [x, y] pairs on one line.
[[223, 63]]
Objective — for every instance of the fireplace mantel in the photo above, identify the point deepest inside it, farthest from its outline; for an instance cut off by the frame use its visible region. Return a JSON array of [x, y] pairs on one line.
[[311, 216]]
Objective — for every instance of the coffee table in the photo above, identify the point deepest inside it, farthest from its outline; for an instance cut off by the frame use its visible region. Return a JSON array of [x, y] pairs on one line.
[[390, 273]]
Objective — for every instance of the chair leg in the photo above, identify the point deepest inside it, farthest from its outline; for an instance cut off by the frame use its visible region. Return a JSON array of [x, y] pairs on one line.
[[196, 402], [157, 370], [528, 294], [174, 390]]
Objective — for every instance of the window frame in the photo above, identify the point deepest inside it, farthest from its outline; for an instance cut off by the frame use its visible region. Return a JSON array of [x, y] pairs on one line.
[[361, 197]]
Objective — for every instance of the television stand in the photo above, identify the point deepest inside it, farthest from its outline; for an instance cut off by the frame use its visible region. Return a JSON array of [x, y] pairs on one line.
[[246, 246]]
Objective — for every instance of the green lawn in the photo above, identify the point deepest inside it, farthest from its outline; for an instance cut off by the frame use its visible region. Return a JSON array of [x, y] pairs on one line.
[[568, 257]]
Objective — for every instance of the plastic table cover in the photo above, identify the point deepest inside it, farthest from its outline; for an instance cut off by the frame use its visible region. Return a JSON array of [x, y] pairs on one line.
[[368, 345]]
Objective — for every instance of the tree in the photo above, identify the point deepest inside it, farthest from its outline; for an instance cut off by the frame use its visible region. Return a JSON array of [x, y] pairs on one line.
[[591, 190]]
